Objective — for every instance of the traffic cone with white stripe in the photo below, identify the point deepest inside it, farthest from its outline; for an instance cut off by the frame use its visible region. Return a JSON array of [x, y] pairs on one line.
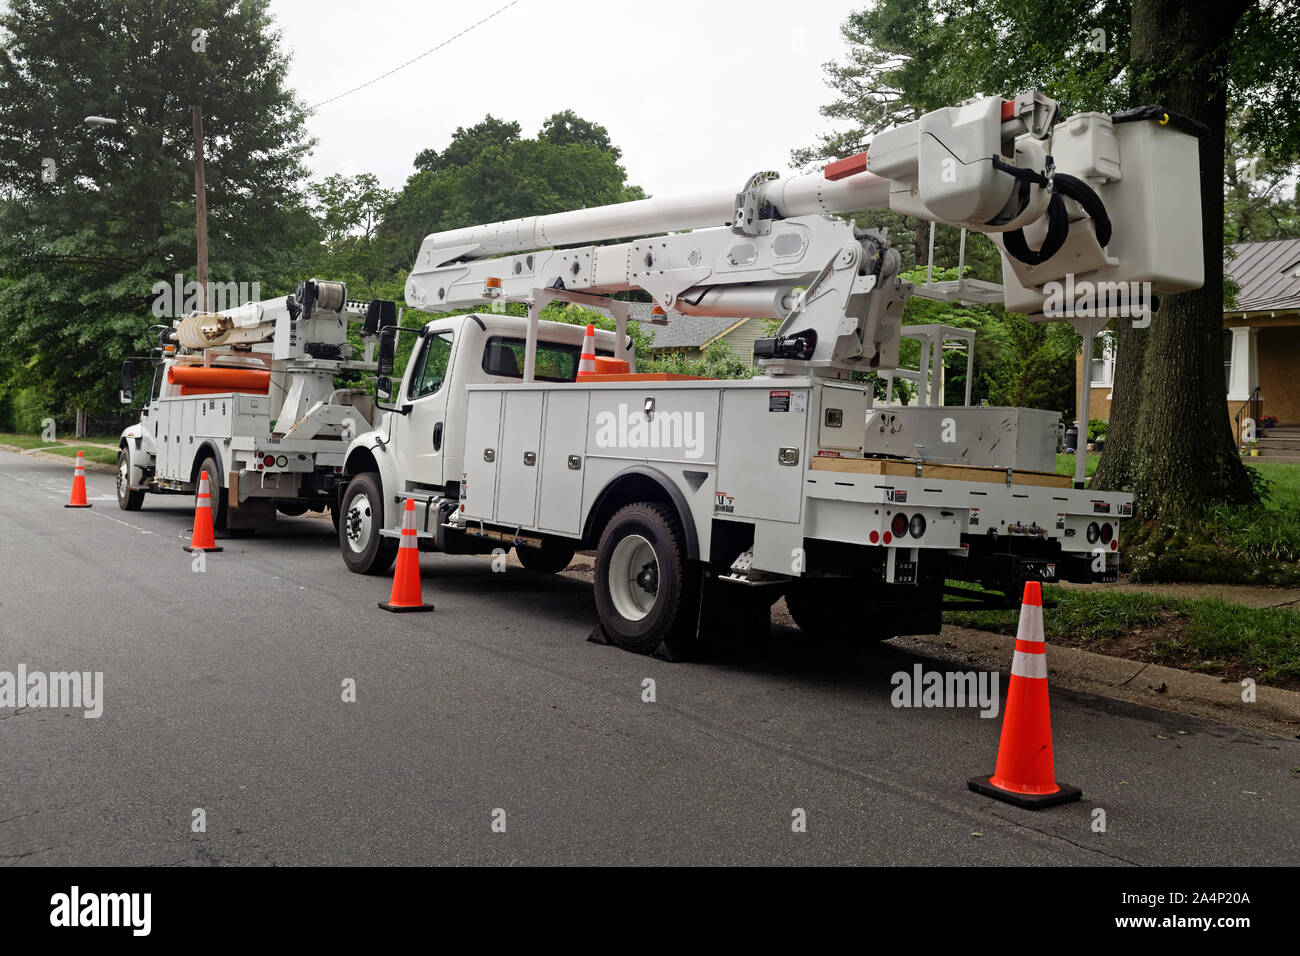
[[406, 579], [202, 538], [78, 498], [1024, 773], [587, 360]]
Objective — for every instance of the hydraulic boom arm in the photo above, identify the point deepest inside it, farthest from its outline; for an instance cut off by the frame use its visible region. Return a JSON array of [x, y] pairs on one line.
[[1101, 197]]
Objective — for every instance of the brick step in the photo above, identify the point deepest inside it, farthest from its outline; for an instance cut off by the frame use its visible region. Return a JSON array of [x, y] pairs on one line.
[[1277, 457], [1281, 431], [1290, 444]]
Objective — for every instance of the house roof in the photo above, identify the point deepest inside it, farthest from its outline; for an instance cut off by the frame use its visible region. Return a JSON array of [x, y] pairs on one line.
[[1268, 274], [686, 331]]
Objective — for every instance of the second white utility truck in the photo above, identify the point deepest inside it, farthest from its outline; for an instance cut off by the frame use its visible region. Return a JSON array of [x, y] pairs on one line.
[[252, 396], [713, 498]]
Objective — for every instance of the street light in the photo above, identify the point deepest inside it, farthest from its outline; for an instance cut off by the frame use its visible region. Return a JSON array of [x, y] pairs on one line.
[[200, 194]]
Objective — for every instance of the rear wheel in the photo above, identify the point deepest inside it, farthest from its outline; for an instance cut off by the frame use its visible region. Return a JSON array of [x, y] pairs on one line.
[[127, 499], [218, 499], [365, 550], [551, 558], [646, 592], [818, 607], [858, 609]]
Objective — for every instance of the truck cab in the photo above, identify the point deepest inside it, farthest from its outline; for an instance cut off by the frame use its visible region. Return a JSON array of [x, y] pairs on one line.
[[417, 448]]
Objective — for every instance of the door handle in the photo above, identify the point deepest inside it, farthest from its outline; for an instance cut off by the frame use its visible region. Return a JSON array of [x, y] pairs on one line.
[[437, 437]]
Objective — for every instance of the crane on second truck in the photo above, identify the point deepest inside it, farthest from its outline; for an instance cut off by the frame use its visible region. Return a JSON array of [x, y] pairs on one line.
[[699, 495]]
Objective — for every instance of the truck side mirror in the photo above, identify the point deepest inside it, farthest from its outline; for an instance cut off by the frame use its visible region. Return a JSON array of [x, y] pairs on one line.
[[384, 387], [128, 375], [387, 351]]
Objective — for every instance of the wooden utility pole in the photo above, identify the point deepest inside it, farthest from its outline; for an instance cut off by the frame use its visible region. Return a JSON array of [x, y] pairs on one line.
[[201, 207]]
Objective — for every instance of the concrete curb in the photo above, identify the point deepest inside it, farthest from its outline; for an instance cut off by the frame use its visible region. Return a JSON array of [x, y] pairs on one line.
[[61, 459], [1274, 710]]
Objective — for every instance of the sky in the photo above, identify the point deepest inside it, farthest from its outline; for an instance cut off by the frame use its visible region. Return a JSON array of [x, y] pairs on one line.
[[698, 94]]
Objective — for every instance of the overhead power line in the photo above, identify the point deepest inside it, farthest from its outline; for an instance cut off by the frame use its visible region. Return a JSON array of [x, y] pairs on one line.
[[415, 59]]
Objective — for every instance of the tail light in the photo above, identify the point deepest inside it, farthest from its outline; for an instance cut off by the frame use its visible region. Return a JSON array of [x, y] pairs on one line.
[[1094, 532], [917, 525], [899, 525], [1107, 532], [268, 460]]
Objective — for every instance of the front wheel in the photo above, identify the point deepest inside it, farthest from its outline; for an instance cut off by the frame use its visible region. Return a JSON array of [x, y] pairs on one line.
[[365, 550], [646, 593], [127, 499]]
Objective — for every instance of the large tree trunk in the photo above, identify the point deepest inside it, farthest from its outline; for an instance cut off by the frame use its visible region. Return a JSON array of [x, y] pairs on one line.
[[1169, 432], [1115, 470]]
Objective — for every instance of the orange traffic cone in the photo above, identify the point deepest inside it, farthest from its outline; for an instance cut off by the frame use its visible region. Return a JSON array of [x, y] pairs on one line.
[[406, 579], [78, 499], [587, 360], [202, 538], [1024, 774]]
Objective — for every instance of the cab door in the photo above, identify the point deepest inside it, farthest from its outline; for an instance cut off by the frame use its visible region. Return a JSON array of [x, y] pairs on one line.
[[420, 434]]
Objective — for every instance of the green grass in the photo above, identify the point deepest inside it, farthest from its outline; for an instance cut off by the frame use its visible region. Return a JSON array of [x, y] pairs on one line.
[[1283, 483], [1203, 634], [97, 453], [1065, 464], [23, 441], [1086, 615]]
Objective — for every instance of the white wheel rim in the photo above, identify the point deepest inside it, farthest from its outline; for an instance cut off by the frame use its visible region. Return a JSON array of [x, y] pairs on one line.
[[359, 522], [633, 578], [123, 478]]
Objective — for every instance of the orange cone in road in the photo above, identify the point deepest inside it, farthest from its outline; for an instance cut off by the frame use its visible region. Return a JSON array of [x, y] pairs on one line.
[[406, 579], [78, 499], [587, 360], [202, 539], [1024, 774]]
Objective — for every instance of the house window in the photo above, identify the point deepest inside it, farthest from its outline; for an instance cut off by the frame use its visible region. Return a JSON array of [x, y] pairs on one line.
[[1103, 360]]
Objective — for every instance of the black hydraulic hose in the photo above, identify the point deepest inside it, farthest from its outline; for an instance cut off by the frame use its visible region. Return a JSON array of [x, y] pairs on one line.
[[1058, 221]]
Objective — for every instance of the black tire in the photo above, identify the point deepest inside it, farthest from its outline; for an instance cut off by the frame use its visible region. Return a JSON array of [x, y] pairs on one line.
[[552, 557], [736, 611], [218, 493], [854, 611], [656, 598], [376, 553], [127, 499], [817, 608]]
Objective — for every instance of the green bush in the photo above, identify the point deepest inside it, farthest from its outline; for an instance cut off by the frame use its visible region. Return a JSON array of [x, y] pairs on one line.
[[30, 408]]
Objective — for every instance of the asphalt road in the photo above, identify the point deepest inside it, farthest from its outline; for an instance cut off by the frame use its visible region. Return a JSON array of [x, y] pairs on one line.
[[223, 691]]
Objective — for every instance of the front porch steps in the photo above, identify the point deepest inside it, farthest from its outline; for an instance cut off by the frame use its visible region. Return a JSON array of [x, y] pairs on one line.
[[1281, 444]]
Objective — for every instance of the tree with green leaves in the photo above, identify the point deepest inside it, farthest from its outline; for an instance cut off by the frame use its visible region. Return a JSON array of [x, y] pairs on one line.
[[567, 127], [350, 210], [488, 173], [92, 218], [467, 143]]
